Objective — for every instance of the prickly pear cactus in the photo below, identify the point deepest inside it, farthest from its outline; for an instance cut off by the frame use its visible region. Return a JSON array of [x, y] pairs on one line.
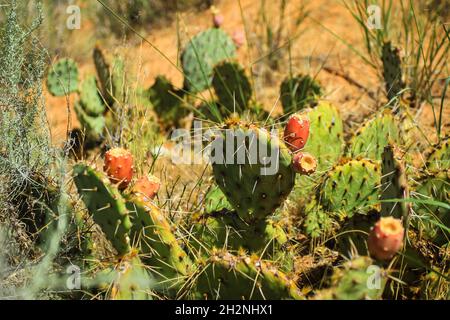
[[132, 280], [232, 87], [325, 126], [254, 188], [62, 78], [227, 230], [392, 70], [201, 54], [318, 222], [394, 185], [351, 187], [111, 76], [435, 220], [298, 92], [105, 204], [357, 279], [215, 200], [93, 125], [371, 138], [439, 156], [228, 276], [160, 249], [90, 99], [167, 102]]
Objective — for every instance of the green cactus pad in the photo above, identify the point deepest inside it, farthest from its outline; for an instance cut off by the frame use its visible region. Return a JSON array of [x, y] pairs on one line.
[[439, 157], [105, 204], [318, 222], [201, 54], [111, 76], [93, 125], [326, 135], [216, 201], [227, 230], [433, 221], [357, 279], [394, 185], [298, 92], [167, 102], [232, 87], [226, 276], [371, 138], [132, 281], [62, 78], [350, 187], [253, 190], [392, 70], [90, 98], [155, 237]]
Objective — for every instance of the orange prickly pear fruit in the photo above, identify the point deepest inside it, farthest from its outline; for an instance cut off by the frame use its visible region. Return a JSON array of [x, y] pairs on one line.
[[386, 238], [119, 166], [147, 187], [304, 163], [296, 132]]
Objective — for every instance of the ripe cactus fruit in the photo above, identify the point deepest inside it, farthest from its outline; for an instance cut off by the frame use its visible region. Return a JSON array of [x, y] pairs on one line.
[[297, 92], [392, 70], [119, 166], [62, 78], [296, 132], [371, 138], [232, 87], [201, 54], [386, 238], [105, 204], [304, 163], [146, 187], [253, 187]]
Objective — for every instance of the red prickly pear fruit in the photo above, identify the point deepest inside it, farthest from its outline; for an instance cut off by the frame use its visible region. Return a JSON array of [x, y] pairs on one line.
[[304, 163], [119, 166], [296, 132], [386, 238], [147, 187], [218, 20], [238, 38]]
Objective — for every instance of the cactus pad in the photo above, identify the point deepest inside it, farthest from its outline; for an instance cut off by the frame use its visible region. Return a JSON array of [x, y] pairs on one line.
[[93, 125], [90, 98], [105, 204], [394, 185], [350, 187], [297, 92], [62, 78], [232, 87], [439, 156], [201, 54], [392, 70], [371, 138], [255, 189], [226, 276], [355, 280]]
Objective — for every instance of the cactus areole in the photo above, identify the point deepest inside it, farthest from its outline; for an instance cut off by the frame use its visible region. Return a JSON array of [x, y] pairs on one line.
[[386, 238], [119, 166]]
